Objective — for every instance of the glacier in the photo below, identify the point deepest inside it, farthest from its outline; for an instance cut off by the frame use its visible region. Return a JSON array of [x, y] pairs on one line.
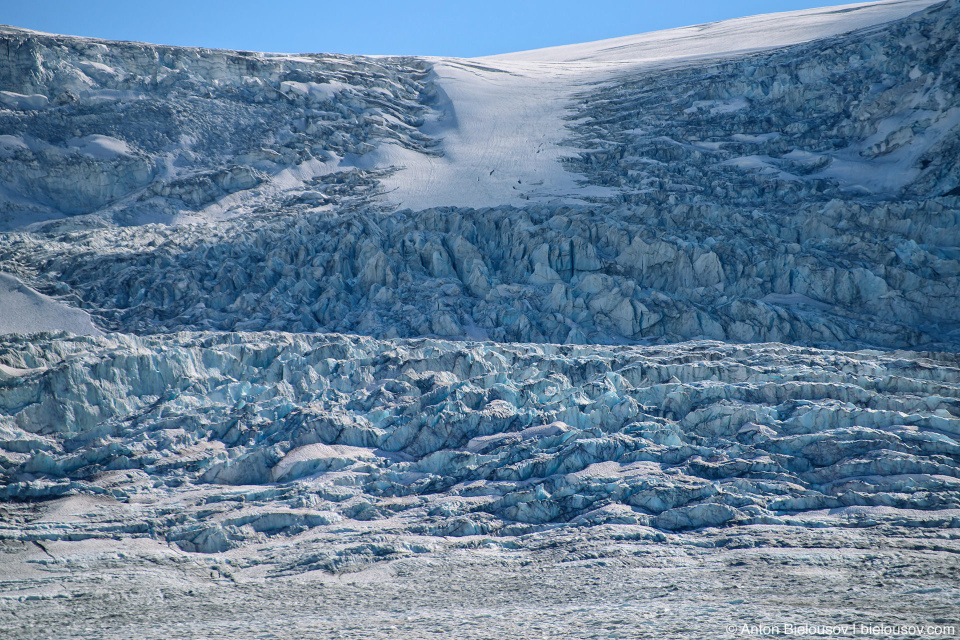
[[650, 336]]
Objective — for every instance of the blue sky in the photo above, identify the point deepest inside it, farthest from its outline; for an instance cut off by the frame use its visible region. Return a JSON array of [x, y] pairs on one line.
[[415, 27]]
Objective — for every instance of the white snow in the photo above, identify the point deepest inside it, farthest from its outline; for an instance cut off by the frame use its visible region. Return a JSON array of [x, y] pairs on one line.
[[754, 138], [890, 170], [317, 91], [737, 36], [23, 310], [763, 164], [98, 70], [12, 143], [23, 102], [718, 106], [502, 130], [100, 147], [502, 116]]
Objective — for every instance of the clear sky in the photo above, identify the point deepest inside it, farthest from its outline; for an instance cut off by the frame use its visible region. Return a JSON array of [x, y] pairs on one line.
[[464, 28]]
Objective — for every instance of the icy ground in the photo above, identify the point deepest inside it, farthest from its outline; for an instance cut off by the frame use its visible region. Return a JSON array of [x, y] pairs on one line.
[[648, 336], [552, 587]]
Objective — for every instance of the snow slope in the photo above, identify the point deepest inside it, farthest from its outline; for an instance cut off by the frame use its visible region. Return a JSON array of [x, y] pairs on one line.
[[501, 127], [23, 310], [502, 117], [738, 36]]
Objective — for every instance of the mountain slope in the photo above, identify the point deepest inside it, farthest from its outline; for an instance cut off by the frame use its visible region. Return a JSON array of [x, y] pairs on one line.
[[800, 195]]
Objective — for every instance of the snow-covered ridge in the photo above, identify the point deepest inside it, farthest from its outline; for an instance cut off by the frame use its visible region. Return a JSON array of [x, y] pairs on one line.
[[727, 38], [502, 126]]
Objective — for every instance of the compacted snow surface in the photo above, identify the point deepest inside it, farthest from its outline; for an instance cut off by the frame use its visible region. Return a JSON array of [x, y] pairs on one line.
[[23, 310], [649, 337]]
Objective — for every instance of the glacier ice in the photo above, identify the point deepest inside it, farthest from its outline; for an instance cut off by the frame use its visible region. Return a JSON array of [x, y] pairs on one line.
[[775, 196], [467, 438], [653, 320]]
